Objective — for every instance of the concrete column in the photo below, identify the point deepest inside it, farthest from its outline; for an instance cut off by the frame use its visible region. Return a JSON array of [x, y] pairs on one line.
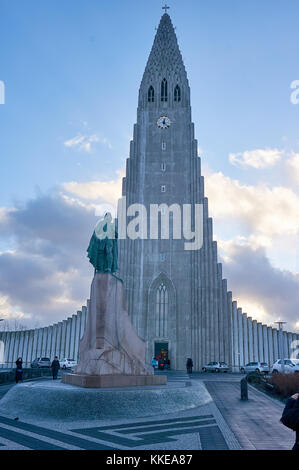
[[39, 349], [49, 342], [12, 348], [241, 343], [58, 340], [45, 342], [63, 340], [9, 348], [260, 342], [270, 346], [255, 341], [286, 346], [275, 345], [73, 337], [34, 345], [77, 338], [83, 320], [295, 346], [21, 344], [225, 339], [290, 341], [250, 339], [245, 339], [265, 339], [25, 347], [68, 337], [54, 351], [17, 346], [236, 357], [230, 327], [3, 348]]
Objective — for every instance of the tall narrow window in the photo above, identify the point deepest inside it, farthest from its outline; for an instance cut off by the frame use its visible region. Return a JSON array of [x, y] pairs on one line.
[[161, 311], [163, 166], [151, 95], [177, 93], [164, 90]]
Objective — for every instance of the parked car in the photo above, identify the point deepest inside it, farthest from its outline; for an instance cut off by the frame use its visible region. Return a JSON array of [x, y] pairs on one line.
[[290, 366], [261, 367], [67, 363], [216, 367], [40, 362]]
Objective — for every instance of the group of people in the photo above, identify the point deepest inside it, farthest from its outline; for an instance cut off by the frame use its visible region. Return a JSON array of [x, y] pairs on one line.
[[55, 366]]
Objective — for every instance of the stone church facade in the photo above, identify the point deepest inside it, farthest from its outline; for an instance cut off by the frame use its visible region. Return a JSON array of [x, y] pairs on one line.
[[177, 299]]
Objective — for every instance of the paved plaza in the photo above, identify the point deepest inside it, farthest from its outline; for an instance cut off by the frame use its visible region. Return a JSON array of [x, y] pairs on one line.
[[222, 422]]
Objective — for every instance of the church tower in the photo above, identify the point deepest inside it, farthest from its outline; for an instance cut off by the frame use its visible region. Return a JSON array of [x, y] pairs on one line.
[[176, 298]]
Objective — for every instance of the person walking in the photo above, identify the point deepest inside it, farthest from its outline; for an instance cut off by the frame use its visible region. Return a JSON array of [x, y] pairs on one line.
[[290, 417], [189, 365], [19, 370], [55, 366]]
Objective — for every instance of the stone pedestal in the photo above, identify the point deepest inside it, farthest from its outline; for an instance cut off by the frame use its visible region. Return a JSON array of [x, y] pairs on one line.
[[111, 352], [109, 381]]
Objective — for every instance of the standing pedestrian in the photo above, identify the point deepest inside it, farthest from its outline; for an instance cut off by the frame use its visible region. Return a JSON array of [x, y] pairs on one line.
[[19, 370], [189, 365], [290, 417], [55, 366]]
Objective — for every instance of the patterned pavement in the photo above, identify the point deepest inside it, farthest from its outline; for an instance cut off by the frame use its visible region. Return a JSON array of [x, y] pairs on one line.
[[223, 423]]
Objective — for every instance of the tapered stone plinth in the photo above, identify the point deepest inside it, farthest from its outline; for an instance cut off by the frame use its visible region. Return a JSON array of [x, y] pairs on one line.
[[111, 352]]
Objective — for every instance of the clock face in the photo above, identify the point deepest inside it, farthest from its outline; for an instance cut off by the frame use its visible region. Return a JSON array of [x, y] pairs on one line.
[[163, 122]]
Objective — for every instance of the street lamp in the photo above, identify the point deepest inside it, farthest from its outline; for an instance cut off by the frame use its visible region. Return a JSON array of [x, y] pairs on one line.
[[281, 342]]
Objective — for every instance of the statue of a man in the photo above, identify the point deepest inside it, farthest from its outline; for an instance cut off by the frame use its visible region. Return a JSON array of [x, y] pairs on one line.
[[102, 250]]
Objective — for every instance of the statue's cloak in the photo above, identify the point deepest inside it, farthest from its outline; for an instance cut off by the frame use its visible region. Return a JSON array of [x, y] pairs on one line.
[[99, 252]]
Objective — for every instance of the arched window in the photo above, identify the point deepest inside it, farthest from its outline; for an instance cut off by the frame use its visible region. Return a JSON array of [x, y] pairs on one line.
[[177, 93], [151, 95], [164, 90], [161, 311]]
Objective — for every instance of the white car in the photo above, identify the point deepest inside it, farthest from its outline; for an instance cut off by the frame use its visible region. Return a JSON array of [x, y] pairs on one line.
[[290, 366], [261, 367], [216, 367], [67, 363]]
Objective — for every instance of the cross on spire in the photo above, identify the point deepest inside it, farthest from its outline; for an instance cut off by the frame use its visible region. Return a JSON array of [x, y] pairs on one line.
[[166, 7]]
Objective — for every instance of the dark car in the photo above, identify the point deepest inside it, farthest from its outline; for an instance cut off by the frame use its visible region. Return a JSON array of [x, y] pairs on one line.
[[41, 362]]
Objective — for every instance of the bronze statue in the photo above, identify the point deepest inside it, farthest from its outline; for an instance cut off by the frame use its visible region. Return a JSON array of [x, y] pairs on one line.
[[102, 250]]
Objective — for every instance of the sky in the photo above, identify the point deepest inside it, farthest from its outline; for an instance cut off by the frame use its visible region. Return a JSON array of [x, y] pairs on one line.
[[72, 71]]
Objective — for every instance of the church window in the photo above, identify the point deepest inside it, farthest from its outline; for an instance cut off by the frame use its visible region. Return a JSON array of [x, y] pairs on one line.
[[163, 189], [162, 257], [164, 91], [151, 95], [163, 146], [163, 167], [177, 93], [161, 311]]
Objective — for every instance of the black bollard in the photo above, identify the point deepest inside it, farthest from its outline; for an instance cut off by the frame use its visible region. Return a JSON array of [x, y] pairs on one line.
[[244, 389]]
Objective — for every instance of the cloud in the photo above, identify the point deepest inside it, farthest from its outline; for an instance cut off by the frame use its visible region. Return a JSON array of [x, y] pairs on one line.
[[264, 292], [85, 142], [103, 191], [292, 165], [260, 209], [47, 276], [259, 158]]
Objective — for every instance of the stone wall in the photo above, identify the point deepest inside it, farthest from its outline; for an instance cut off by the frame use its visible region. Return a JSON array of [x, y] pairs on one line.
[[250, 340], [61, 339]]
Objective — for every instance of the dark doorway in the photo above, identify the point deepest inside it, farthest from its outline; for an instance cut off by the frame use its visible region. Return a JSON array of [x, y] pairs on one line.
[[161, 351]]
